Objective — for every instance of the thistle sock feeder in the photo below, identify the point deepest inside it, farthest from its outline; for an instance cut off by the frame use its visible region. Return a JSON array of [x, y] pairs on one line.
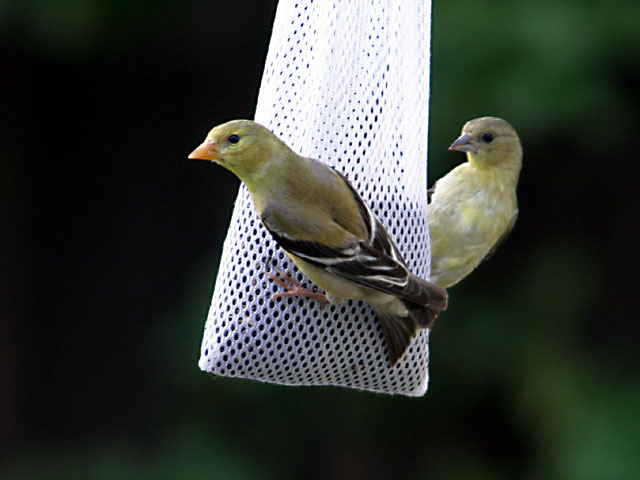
[[346, 83]]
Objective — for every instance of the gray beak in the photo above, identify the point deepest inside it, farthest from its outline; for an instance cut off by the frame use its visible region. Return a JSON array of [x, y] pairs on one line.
[[464, 143]]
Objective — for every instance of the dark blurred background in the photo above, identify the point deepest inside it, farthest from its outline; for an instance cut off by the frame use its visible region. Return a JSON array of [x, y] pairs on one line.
[[111, 241]]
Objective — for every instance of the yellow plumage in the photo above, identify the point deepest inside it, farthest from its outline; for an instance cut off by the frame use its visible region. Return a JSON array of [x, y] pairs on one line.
[[474, 206]]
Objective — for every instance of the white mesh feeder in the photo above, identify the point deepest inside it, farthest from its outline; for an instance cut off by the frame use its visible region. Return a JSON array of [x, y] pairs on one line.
[[346, 83]]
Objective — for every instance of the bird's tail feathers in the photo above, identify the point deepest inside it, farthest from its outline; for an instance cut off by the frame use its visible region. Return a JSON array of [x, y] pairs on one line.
[[398, 332], [424, 316]]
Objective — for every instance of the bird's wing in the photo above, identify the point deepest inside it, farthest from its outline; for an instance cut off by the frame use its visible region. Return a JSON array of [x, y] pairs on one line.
[[377, 270], [360, 263], [503, 237], [377, 236]]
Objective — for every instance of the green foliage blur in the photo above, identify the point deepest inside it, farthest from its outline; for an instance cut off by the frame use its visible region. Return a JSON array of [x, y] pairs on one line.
[[533, 369]]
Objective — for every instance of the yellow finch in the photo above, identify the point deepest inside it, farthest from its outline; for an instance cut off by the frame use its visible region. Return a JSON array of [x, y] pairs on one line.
[[327, 230], [473, 208]]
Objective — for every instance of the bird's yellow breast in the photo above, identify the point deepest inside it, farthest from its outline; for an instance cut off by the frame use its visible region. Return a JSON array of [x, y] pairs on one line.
[[469, 212]]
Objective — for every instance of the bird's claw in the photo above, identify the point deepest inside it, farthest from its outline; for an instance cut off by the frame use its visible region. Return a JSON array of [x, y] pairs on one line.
[[292, 288]]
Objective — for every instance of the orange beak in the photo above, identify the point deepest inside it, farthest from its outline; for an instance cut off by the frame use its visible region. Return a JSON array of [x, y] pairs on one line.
[[207, 151]]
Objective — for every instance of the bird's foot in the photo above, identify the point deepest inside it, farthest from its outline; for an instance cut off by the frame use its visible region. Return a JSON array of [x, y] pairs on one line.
[[292, 288]]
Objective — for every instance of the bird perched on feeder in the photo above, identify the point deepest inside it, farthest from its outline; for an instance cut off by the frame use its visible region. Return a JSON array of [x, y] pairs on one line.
[[473, 208], [327, 230]]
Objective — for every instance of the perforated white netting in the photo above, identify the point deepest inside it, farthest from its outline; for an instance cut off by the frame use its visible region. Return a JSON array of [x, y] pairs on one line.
[[347, 83]]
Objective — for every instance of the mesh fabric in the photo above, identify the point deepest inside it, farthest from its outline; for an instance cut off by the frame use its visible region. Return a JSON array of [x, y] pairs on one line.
[[346, 83]]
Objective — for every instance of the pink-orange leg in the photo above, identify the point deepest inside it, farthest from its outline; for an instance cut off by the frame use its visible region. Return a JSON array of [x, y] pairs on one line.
[[292, 288]]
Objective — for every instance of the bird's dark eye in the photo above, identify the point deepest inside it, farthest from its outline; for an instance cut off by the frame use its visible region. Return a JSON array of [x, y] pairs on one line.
[[234, 138], [487, 137]]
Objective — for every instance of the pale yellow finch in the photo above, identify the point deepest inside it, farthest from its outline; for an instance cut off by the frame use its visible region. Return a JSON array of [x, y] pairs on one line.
[[325, 227], [473, 208]]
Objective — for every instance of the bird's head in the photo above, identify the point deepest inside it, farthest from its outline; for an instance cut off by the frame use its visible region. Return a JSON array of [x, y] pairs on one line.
[[243, 147], [489, 141]]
